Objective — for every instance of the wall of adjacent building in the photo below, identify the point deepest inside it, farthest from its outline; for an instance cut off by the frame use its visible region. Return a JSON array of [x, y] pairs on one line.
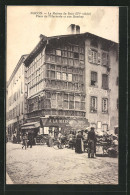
[[16, 98], [114, 87], [100, 119]]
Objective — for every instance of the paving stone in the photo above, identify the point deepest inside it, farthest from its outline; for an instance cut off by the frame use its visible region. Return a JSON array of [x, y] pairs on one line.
[[44, 165]]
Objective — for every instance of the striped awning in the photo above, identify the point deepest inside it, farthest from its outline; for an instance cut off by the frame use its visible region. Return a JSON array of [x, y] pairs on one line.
[[32, 125]]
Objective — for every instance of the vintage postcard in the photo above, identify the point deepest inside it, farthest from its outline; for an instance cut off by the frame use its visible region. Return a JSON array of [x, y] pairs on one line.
[[62, 95]]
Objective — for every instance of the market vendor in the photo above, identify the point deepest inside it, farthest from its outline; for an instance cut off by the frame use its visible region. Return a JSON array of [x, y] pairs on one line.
[[91, 143]]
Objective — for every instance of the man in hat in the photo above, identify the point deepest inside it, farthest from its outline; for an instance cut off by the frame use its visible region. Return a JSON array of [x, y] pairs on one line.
[[91, 143]]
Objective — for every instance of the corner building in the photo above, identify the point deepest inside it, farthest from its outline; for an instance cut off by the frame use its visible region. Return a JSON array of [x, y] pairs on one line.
[[68, 77]]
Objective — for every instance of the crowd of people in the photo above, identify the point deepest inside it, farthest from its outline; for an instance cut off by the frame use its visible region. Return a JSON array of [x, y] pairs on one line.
[[90, 139], [78, 140]]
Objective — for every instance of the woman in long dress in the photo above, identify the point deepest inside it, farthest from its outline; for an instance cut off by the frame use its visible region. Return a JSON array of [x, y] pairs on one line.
[[79, 143]]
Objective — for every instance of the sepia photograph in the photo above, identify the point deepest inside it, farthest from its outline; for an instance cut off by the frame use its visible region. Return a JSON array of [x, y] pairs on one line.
[[62, 95]]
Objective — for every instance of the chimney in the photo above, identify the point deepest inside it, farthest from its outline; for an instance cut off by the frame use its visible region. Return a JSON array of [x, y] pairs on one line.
[[42, 36], [77, 29], [73, 29]]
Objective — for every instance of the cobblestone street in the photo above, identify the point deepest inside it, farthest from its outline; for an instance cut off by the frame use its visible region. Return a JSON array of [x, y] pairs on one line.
[[44, 165]]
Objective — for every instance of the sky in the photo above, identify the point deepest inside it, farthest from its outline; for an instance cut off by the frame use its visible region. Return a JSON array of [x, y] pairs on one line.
[[24, 26]]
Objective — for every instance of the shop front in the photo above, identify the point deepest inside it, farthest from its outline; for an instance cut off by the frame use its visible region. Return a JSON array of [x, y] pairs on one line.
[[32, 128], [54, 125]]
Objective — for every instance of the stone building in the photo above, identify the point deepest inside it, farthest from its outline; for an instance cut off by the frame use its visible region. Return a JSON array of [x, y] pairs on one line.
[[72, 78], [16, 99]]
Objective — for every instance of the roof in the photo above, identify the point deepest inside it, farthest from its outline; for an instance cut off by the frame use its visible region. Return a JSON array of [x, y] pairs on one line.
[[44, 40]]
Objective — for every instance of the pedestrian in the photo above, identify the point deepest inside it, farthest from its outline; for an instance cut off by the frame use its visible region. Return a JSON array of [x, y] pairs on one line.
[[79, 143], [30, 138], [25, 138], [14, 138], [70, 137], [91, 143], [18, 137]]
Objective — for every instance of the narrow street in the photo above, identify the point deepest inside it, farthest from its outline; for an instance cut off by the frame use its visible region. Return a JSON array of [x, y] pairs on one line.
[[45, 165]]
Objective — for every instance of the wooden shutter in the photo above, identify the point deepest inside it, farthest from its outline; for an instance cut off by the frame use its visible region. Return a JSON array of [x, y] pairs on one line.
[[90, 55], [99, 58]]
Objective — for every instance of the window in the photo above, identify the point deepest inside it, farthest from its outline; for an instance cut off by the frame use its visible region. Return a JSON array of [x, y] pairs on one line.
[[58, 59], [53, 103], [65, 104], [77, 105], [81, 57], [105, 58], [52, 58], [70, 48], [81, 50], [71, 105], [76, 55], [59, 96], [64, 53], [69, 77], [47, 103], [54, 112], [58, 68], [75, 48], [93, 105], [82, 106], [58, 84], [59, 103], [58, 52], [70, 86], [52, 74], [69, 70], [71, 97], [48, 58], [99, 124], [105, 81], [77, 98], [58, 75], [75, 77], [76, 86], [70, 55], [64, 60], [80, 78], [64, 76], [105, 105], [64, 85], [65, 96], [93, 56], [52, 67], [93, 78], [76, 62], [70, 62], [53, 96], [64, 69]]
